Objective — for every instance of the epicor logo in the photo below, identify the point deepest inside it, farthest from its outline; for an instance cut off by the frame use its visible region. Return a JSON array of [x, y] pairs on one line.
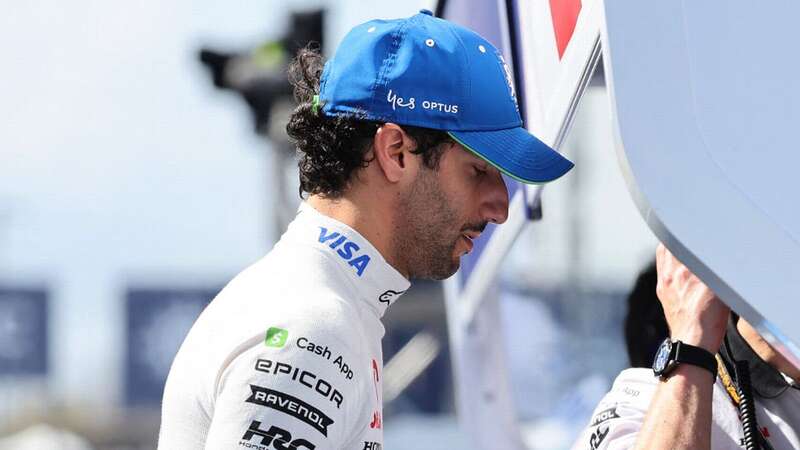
[[279, 438], [346, 249], [303, 377]]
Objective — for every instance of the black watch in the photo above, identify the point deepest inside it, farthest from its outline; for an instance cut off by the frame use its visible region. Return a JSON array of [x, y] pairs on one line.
[[670, 354]]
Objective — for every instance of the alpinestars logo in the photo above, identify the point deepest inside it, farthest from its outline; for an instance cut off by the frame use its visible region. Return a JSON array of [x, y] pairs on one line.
[[389, 296], [279, 438]]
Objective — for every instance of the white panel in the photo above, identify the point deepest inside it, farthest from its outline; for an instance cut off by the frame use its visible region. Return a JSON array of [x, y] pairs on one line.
[[706, 101]]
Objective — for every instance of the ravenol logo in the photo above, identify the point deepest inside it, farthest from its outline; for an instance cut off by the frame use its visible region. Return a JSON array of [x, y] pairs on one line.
[[276, 337], [347, 250]]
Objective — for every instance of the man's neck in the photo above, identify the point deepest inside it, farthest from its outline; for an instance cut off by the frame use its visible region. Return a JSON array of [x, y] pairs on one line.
[[766, 352], [372, 225]]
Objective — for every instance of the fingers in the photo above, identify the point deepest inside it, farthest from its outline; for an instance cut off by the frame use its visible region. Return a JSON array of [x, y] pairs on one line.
[[665, 267], [671, 270], [694, 313], [664, 260]]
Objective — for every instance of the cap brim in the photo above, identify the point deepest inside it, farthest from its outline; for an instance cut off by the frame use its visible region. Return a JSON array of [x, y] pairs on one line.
[[517, 153]]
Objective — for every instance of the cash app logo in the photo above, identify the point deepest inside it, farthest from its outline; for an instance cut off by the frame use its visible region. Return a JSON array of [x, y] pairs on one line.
[[276, 337]]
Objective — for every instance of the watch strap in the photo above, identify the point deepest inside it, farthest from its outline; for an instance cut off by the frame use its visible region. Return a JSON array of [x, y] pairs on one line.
[[696, 356]]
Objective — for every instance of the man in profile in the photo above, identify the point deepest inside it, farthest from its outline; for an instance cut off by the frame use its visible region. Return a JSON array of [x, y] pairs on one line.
[[402, 139]]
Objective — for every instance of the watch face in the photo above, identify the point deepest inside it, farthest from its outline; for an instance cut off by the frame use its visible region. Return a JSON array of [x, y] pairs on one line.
[[662, 356]]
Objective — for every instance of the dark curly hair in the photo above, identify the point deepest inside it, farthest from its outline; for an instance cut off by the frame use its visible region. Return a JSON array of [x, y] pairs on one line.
[[331, 148]]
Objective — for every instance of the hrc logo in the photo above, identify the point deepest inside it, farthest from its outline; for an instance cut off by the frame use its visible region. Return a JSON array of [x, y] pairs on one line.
[[346, 249]]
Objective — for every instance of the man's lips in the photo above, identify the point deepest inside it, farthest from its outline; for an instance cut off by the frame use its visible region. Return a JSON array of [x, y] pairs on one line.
[[472, 235], [468, 237]]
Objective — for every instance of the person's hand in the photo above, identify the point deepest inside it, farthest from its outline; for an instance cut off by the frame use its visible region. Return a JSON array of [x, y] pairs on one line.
[[695, 314]]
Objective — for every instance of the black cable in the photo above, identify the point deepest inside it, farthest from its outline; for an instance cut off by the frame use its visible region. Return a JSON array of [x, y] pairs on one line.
[[733, 366], [747, 407]]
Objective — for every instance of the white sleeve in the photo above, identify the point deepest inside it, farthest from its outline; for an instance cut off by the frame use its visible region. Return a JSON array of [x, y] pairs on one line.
[[616, 421], [294, 388]]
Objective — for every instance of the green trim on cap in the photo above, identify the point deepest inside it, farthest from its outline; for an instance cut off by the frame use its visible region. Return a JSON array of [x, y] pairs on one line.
[[475, 152]]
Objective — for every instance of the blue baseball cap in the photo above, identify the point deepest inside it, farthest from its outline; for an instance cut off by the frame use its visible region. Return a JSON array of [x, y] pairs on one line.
[[427, 72]]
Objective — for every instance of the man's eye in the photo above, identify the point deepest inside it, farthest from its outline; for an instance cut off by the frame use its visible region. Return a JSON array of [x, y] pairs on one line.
[[479, 170]]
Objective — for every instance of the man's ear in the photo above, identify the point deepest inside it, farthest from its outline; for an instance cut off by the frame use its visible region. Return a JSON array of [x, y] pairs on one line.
[[392, 150]]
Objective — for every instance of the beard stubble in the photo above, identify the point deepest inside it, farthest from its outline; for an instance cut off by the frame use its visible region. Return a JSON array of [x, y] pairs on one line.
[[427, 230]]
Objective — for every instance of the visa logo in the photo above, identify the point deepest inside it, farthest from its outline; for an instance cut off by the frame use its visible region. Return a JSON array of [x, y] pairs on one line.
[[344, 248]]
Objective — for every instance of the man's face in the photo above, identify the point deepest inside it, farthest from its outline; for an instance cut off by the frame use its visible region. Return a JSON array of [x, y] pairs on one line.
[[444, 210]]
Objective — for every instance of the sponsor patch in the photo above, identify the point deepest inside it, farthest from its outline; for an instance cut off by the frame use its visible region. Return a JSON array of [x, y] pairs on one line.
[[369, 445], [602, 416], [318, 349], [276, 437], [630, 391], [400, 102], [411, 103], [346, 249], [389, 296], [597, 437], [509, 80], [276, 337], [302, 376], [290, 405]]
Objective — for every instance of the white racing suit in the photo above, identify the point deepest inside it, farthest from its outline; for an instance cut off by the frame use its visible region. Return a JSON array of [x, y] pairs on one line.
[[616, 421], [288, 355]]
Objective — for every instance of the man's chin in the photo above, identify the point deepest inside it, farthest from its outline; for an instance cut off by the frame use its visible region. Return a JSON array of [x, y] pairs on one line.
[[452, 271], [454, 266], [442, 273]]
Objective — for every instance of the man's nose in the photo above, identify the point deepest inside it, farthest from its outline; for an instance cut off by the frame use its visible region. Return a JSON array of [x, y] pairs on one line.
[[494, 207]]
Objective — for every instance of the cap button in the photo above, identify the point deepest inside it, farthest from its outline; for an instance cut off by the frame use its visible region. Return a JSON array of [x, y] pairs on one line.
[[426, 11]]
